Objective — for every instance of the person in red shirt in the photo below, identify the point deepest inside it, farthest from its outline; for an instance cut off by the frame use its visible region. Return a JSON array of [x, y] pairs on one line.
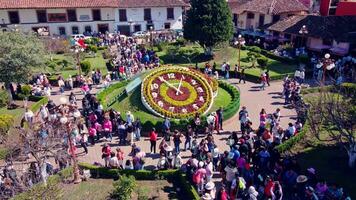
[[153, 140], [269, 188], [106, 151]]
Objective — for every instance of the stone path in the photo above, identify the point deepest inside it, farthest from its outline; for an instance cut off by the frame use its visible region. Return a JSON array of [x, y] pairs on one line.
[[251, 97]]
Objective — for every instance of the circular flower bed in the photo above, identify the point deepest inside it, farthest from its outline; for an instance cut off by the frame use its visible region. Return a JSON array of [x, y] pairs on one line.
[[176, 92]]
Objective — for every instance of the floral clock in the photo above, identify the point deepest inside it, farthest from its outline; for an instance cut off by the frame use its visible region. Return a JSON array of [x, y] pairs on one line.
[[176, 92]]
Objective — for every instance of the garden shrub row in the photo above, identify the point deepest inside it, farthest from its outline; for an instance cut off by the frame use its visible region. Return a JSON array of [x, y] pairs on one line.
[[41, 101], [289, 144], [272, 55], [176, 176], [234, 106], [102, 95]]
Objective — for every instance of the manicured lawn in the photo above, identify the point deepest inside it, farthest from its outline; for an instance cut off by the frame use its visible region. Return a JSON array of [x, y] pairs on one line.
[[97, 62], [100, 189], [133, 103], [94, 189], [330, 163]]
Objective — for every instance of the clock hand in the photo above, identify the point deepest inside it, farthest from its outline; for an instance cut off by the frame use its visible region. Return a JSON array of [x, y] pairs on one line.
[[180, 84], [170, 85]]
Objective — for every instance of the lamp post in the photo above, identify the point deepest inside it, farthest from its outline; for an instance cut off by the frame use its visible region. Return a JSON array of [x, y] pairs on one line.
[[69, 121], [303, 31], [151, 36], [77, 50], [239, 43], [130, 22]]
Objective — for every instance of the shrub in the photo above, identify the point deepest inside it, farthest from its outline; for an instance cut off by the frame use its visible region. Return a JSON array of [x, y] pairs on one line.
[[255, 49], [52, 65], [124, 187], [102, 48], [6, 121], [262, 61], [93, 48], [85, 66], [142, 193], [303, 59], [4, 98], [25, 92]]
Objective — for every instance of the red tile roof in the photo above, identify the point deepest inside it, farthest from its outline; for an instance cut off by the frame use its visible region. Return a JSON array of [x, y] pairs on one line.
[[36, 4], [270, 6], [22, 4], [151, 3]]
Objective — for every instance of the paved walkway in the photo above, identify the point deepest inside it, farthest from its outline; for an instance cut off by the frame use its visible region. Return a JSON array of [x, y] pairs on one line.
[[251, 97]]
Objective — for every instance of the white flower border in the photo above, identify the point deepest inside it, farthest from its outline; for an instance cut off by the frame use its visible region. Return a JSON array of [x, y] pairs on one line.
[[163, 68]]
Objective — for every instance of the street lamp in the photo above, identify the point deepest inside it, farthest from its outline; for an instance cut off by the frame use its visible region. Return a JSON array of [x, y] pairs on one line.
[[69, 121], [151, 36], [303, 31], [239, 43], [77, 50], [130, 22]]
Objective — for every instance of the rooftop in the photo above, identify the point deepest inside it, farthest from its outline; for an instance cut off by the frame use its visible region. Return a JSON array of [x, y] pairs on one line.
[[42, 4]]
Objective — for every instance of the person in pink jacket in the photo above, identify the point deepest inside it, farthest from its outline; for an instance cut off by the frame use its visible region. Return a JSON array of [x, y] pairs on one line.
[[107, 126]]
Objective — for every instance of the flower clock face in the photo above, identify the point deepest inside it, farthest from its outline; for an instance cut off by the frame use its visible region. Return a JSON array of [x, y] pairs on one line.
[[176, 92]]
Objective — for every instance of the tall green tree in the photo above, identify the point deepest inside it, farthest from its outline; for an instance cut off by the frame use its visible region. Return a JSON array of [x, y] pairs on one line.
[[19, 54], [209, 22]]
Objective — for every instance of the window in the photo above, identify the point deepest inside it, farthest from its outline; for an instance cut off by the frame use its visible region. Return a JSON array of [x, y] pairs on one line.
[[87, 29], [170, 13], [147, 14], [57, 17], [96, 15], [276, 18], [62, 30], [75, 30], [122, 15], [261, 21], [72, 15], [137, 28], [41, 16], [167, 25], [14, 17], [250, 16]]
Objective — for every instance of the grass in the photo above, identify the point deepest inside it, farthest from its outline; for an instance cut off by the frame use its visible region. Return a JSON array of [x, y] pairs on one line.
[[133, 103], [97, 62], [98, 189], [330, 163]]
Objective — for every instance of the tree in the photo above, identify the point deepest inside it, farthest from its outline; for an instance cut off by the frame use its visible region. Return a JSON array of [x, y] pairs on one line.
[[19, 54], [209, 22], [332, 118]]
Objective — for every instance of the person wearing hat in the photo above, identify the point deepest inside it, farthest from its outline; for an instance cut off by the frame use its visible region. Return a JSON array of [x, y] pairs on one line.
[[162, 163], [301, 184], [129, 118], [310, 194], [252, 193], [207, 196], [243, 117], [199, 175], [211, 121], [210, 189], [311, 174]]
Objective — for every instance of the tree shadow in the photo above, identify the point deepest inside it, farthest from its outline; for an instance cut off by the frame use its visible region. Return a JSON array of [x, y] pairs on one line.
[[331, 164]]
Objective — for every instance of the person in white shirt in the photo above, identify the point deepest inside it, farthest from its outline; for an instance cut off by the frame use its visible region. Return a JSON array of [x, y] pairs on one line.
[[113, 161], [29, 116]]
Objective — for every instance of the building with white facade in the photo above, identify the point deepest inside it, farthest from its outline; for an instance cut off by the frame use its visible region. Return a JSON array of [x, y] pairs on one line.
[[66, 17]]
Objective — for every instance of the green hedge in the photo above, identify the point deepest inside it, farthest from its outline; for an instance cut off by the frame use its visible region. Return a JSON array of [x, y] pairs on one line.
[[289, 144], [176, 176], [102, 94], [348, 89], [234, 106], [36, 106], [271, 55]]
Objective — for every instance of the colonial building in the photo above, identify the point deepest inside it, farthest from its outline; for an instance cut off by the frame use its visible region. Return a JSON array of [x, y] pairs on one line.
[[252, 14], [333, 34], [66, 17]]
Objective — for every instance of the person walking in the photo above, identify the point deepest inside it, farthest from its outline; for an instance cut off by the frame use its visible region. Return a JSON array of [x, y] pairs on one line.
[[243, 117], [267, 77], [242, 76], [263, 81], [219, 113], [153, 141]]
